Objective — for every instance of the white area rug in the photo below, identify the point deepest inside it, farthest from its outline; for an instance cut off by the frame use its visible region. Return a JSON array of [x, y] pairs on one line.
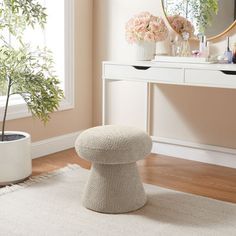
[[50, 206]]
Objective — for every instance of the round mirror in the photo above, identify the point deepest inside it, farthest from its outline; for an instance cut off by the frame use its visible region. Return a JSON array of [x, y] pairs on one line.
[[212, 18]]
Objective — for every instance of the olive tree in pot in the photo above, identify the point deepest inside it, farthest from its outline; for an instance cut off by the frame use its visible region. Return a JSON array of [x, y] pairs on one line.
[[26, 72]]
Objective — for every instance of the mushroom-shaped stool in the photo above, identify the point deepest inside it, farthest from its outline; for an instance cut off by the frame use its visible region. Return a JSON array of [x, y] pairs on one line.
[[114, 185]]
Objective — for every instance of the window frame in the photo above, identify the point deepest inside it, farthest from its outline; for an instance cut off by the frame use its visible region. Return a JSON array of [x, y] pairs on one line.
[[16, 111]]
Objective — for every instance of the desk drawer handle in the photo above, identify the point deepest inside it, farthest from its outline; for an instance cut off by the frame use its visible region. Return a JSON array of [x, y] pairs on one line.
[[141, 67], [229, 72]]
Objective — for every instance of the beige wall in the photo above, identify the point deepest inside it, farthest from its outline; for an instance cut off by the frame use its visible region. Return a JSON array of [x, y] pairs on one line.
[[81, 116], [186, 113]]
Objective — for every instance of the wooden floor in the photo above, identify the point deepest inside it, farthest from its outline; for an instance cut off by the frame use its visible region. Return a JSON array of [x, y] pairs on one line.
[[168, 172]]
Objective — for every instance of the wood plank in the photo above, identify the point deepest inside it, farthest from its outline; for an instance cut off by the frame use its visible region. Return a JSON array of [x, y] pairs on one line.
[[182, 175]]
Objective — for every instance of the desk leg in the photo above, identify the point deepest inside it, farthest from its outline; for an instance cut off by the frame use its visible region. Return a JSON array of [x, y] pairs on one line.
[[103, 101], [148, 109], [147, 122]]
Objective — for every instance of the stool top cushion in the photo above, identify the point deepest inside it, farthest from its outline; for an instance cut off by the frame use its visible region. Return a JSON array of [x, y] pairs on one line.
[[113, 144]]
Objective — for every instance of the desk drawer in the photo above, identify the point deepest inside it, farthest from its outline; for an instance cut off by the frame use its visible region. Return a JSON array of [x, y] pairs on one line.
[[168, 75], [215, 78]]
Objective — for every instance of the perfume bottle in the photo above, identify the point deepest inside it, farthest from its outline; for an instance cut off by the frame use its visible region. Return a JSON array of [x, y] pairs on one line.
[[185, 47], [234, 54], [202, 45], [228, 53], [207, 50]]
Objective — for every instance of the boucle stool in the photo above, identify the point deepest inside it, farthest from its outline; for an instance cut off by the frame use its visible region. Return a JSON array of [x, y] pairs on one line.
[[114, 185]]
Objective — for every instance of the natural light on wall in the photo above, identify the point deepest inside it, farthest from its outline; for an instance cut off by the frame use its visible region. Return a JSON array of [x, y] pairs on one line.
[[57, 36]]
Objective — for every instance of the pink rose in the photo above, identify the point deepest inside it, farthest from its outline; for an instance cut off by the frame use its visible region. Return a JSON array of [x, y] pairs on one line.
[[146, 27]]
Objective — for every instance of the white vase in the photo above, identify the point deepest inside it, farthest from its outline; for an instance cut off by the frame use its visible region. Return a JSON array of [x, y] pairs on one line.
[[145, 51], [15, 159], [162, 48]]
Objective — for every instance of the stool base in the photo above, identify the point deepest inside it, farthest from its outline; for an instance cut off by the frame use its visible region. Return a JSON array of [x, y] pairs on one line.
[[114, 189]]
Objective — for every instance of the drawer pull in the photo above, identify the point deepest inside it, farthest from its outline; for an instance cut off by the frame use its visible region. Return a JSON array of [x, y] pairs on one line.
[[229, 72], [141, 67]]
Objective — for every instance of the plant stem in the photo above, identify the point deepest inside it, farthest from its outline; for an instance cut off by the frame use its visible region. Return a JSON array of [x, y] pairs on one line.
[[5, 109]]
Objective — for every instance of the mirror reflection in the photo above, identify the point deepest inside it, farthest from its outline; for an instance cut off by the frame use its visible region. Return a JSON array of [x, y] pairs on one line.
[[205, 15]]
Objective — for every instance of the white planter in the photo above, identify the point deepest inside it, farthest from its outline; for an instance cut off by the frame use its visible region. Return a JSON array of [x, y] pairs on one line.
[[145, 51], [15, 159]]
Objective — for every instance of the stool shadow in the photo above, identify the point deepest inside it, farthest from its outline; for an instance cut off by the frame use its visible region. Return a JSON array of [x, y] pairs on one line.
[[185, 209]]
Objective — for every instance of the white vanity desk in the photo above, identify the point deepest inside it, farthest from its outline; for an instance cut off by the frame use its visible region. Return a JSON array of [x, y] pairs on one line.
[[207, 75], [210, 75]]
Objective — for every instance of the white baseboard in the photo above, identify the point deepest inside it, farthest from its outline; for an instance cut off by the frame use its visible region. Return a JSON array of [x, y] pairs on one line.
[[196, 152], [53, 145], [164, 146]]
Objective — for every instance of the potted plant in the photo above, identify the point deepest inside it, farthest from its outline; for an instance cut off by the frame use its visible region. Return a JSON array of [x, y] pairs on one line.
[[28, 73]]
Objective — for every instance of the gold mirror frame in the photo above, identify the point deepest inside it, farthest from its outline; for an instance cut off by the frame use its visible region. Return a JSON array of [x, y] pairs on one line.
[[213, 38]]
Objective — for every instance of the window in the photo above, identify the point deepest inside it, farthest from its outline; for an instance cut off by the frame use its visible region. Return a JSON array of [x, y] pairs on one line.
[[58, 36]]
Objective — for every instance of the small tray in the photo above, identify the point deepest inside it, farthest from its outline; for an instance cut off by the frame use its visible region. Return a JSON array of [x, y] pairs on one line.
[[198, 60]]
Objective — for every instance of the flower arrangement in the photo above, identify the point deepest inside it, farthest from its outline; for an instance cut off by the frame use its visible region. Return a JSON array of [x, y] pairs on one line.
[[181, 25], [146, 27]]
